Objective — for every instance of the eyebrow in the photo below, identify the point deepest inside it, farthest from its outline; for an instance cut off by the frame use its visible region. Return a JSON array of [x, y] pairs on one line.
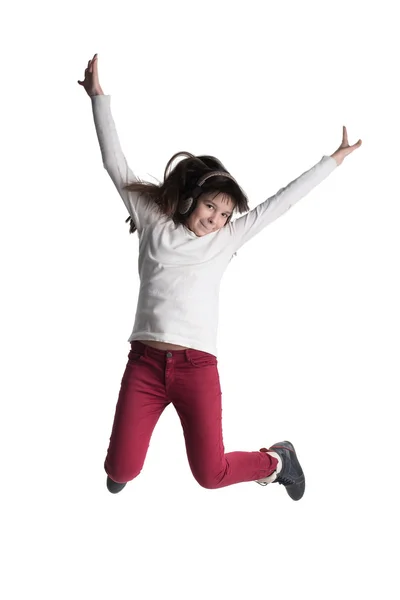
[[213, 203]]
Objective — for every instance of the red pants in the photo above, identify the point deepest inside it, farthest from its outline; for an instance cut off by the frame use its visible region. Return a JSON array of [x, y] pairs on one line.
[[189, 380]]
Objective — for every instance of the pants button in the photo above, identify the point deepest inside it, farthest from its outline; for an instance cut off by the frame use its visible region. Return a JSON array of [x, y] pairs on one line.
[[169, 355]]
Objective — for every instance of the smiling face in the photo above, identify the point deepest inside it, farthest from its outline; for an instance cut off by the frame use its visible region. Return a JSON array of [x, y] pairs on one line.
[[211, 213]]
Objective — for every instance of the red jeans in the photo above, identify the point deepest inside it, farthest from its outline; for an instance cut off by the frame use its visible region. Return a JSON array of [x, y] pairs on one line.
[[189, 380]]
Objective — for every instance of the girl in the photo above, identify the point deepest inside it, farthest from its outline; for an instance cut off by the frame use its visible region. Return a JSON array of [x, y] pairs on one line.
[[186, 241]]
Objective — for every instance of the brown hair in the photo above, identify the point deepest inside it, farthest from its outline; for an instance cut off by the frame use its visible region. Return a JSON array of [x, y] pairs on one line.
[[180, 182]]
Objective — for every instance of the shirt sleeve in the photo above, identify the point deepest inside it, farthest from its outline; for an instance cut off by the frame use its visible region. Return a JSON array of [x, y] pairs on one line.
[[246, 227], [141, 210]]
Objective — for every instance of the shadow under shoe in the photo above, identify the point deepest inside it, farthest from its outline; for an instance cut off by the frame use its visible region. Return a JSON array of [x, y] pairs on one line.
[[113, 486], [291, 475]]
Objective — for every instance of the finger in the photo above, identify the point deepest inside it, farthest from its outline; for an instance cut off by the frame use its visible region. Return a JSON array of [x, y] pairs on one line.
[[355, 145], [351, 149], [345, 140], [94, 64]]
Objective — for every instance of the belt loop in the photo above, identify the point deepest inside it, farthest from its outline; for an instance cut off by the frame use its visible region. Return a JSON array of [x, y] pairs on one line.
[[187, 354]]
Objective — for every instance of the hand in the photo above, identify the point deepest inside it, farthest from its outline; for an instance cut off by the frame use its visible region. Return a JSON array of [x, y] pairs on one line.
[[344, 148], [91, 81]]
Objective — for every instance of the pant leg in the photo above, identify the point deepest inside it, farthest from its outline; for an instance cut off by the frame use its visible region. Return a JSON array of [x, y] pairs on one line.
[[196, 396], [140, 404]]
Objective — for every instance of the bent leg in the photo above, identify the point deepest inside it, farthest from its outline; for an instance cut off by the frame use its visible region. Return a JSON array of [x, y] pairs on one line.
[[140, 405], [197, 400]]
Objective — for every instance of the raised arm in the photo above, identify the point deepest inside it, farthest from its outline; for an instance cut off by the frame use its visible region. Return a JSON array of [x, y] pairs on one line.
[[246, 227], [113, 157]]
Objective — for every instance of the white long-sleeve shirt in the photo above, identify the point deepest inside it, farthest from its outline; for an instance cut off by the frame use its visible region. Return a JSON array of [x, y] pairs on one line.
[[180, 272]]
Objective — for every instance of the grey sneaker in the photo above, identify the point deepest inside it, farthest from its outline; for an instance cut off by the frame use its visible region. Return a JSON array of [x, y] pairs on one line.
[[291, 474], [113, 486]]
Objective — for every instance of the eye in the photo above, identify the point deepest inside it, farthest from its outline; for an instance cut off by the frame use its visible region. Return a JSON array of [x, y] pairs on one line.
[[226, 216]]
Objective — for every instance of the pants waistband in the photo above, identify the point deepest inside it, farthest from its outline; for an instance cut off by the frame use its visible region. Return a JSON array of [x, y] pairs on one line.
[[178, 355]]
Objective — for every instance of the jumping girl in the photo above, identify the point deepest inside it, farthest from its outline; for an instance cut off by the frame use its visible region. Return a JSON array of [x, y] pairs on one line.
[[186, 240]]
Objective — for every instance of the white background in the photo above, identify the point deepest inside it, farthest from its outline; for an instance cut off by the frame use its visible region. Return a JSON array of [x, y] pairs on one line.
[[308, 338]]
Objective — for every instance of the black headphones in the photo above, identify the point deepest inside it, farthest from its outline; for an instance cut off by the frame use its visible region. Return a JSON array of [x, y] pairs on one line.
[[186, 204]]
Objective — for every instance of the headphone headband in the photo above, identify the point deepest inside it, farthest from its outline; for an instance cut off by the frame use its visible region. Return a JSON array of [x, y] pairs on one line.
[[186, 204], [213, 174]]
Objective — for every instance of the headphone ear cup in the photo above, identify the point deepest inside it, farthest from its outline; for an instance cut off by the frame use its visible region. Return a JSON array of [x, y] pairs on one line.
[[185, 206]]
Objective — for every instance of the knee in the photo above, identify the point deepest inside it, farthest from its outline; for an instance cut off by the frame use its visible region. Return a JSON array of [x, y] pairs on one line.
[[209, 481]]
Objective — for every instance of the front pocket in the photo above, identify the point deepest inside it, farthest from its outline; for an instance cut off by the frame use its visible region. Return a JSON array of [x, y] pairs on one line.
[[134, 356], [203, 361]]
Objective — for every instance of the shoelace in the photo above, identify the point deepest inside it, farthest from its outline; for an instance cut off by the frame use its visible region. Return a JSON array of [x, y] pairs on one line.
[[284, 480], [281, 480]]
